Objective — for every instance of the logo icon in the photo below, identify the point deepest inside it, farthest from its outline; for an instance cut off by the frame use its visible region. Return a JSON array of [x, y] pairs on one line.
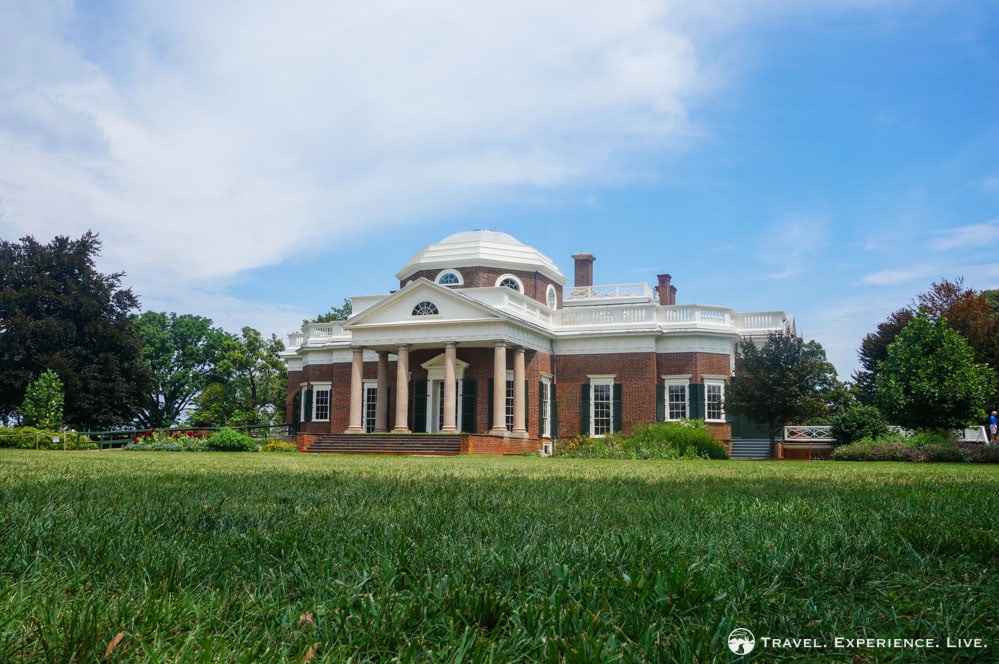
[[741, 641]]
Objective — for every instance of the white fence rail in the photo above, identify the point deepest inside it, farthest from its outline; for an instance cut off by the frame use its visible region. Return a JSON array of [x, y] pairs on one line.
[[822, 433]]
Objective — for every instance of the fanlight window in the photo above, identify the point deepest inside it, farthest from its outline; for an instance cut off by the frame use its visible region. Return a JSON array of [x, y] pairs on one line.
[[425, 309], [449, 279], [510, 282]]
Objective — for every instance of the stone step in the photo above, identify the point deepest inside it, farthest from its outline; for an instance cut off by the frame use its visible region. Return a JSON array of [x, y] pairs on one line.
[[387, 444]]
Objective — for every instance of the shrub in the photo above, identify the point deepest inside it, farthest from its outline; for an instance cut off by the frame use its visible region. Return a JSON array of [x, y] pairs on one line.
[[887, 448], [660, 440], [857, 423], [278, 446], [227, 440], [26, 438]]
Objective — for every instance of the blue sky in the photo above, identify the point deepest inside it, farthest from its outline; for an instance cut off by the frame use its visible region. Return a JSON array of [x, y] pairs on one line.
[[257, 162]]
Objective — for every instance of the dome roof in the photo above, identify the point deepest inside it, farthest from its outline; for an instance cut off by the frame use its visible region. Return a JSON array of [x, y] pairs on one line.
[[481, 248]]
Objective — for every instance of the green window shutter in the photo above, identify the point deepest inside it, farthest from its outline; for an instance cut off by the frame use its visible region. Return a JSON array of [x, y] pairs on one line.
[[489, 409], [527, 402], [696, 391], [616, 407], [468, 404], [660, 403], [308, 405], [418, 399], [541, 416], [554, 410], [584, 409]]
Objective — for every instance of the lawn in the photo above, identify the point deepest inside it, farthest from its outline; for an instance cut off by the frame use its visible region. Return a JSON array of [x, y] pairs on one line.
[[288, 557]]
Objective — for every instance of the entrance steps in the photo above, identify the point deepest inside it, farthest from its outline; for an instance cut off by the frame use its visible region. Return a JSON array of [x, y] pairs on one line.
[[405, 443], [750, 449]]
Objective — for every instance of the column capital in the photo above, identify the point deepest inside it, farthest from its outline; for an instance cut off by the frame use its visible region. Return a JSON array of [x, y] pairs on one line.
[[500, 343]]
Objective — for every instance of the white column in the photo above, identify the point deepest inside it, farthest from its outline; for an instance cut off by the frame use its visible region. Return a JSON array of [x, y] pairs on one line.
[[519, 395], [356, 391], [381, 403], [402, 391], [450, 423], [499, 390]]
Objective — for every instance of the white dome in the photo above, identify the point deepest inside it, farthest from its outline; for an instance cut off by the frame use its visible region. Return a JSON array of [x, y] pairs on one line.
[[481, 248]]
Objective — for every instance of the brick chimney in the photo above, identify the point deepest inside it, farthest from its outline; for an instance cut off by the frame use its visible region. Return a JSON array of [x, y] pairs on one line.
[[667, 292], [584, 270]]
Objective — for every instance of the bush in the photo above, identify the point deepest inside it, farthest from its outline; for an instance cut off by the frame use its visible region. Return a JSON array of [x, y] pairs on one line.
[[227, 440], [887, 448], [858, 423], [278, 446], [26, 438], [660, 440]]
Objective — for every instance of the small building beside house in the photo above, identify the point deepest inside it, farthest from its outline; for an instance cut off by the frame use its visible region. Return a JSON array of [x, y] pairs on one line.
[[485, 338]]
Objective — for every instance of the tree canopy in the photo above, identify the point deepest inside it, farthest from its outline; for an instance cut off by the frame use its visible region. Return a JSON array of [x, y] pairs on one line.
[[784, 380], [248, 385], [58, 312], [973, 314], [181, 352], [930, 380], [335, 313]]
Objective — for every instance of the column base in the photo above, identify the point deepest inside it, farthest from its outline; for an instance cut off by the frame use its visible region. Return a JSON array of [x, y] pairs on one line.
[[449, 430], [401, 430], [499, 432], [353, 430], [519, 433]]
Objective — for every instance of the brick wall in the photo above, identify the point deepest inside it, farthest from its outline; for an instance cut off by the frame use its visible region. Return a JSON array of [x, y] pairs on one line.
[[636, 372]]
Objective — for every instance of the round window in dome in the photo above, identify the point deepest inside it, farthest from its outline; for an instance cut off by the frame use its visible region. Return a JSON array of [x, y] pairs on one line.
[[511, 282]]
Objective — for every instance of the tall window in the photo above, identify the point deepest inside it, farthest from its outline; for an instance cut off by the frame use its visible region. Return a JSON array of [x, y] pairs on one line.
[[370, 406], [321, 403], [676, 400], [509, 405], [546, 408], [714, 401], [601, 408]]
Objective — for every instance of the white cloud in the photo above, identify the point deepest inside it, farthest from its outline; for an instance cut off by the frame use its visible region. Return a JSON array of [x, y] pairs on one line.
[[975, 236], [897, 276]]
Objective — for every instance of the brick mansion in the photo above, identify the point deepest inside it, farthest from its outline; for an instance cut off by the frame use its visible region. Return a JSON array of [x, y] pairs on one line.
[[484, 342]]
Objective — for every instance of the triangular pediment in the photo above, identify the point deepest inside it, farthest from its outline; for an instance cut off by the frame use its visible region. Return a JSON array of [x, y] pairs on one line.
[[416, 304]]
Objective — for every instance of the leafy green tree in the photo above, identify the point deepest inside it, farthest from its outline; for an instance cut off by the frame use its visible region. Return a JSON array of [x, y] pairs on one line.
[[58, 312], [181, 352], [973, 314], [249, 384], [43, 401], [930, 379], [335, 313], [784, 380]]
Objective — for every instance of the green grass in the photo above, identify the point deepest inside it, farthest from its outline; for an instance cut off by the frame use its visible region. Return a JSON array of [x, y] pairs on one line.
[[256, 558]]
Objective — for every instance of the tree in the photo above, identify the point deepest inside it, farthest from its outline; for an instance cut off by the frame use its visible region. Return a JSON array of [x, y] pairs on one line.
[[58, 312], [181, 352], [930, 379], [783, 381], [43, 401], [335, 313], [249, 384], [973, 314]]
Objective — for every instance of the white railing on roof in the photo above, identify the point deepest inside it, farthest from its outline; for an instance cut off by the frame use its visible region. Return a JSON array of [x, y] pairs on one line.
[[765, 320], [317, 333], [609, 292], [695, 313], [614, 315]]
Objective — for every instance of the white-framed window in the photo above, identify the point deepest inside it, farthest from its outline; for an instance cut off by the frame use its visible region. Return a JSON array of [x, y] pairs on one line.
[[511, 282], [449, 277], [677, 397], [546, 406], [425, 308], [321, 402], [601, 405], [551, 296], [714, 400], [370, 404]]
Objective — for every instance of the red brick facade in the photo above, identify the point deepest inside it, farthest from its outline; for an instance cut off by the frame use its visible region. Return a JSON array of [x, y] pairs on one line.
[[639, 374], [535, 284]]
